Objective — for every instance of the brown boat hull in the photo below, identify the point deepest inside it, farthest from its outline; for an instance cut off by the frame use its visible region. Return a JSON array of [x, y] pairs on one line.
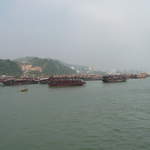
[[114, 78], [64, 83], [19, 82], [113, 81]]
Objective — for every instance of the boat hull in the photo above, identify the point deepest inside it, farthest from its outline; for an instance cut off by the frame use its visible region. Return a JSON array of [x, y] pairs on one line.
[[64, 83], [19, 82], [114, 79]]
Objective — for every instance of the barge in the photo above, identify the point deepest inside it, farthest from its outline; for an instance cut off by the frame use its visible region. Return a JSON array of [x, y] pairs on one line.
[[44, 80], [63, 82], [12, 82], [114, 78]]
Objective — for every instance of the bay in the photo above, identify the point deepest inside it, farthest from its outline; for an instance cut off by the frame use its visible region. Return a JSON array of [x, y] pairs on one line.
[[96, 116]]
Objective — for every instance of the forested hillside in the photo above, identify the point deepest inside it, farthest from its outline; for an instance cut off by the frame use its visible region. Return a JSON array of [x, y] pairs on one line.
[[49, 66], [8, 67]]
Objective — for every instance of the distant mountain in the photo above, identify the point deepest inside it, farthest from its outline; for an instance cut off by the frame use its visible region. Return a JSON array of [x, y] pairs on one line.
[[8, 67], [49, 66]]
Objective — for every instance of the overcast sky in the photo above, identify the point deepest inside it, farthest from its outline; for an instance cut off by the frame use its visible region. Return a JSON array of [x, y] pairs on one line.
[[107, 34]]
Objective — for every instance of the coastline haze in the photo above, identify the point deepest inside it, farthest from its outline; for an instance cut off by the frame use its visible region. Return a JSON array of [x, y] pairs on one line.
[[106, 34]]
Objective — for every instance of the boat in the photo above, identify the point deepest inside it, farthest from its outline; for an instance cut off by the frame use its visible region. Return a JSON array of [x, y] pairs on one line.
[[44, 80], [114, 78], [12, 82], [62, 82], [24, 90]]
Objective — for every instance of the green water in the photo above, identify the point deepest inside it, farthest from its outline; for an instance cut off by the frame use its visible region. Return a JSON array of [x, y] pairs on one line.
[[97, 116]]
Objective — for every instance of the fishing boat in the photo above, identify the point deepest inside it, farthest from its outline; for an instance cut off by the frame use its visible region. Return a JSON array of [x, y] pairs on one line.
[[114, 78], [62, 82]]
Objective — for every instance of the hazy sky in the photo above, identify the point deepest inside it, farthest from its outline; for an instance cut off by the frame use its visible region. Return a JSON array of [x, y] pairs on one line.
[[103, 33]]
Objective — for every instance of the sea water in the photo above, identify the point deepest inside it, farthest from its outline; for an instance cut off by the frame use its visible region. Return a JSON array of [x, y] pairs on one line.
[[97, 116]]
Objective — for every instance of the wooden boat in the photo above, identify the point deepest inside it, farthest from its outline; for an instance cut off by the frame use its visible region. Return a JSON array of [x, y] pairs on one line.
[[12, 82], [24, 90], [114, 78], [62, 82], [44, 80]]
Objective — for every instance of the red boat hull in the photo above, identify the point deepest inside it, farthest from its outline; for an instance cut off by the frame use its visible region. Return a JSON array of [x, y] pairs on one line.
[[64, 83], [19, 82]]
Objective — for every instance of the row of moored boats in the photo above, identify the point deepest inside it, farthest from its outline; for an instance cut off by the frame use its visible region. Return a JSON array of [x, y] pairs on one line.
[[61, 81]]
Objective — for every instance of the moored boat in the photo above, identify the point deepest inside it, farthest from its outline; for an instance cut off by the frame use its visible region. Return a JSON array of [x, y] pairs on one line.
[[62, 82], [11, 82], [44, 80], [114, 78]]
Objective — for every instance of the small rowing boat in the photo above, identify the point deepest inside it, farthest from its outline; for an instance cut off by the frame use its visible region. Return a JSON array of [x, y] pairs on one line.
[[24, 90]]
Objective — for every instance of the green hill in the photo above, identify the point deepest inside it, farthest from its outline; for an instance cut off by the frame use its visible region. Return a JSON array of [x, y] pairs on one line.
[[8, 67], [49, 66]]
